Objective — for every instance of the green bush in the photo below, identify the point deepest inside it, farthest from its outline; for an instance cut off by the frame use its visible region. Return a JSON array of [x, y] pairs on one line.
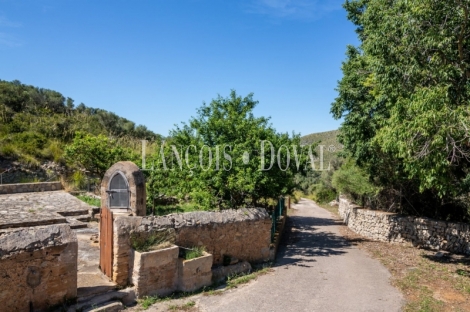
[[352, 180], [323, 193], [29, 142], [8, 150], [143, 242], [79, 179], [54, 151]]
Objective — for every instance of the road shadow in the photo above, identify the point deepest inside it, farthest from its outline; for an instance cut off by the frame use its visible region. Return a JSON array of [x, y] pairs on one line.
[[303, 241]]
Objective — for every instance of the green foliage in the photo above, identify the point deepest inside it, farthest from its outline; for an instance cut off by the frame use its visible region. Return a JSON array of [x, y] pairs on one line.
[[79, 179], [36, 123], [144, 242], [225, 125], [194, 252], [327, 138], [404, 98], [322, 193], [92, 201], [147, 301], [235, 281], [306, 180], [54, 151], [161, 210], [95, 153], [352, 180], [316, 184]]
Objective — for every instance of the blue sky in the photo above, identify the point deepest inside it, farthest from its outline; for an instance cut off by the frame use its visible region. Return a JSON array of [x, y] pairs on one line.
[[155, 62]]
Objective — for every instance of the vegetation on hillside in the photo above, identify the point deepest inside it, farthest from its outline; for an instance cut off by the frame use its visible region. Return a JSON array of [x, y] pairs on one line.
[[36, 124], [213, 161], [326, 138], [316, 183], [404, 100]]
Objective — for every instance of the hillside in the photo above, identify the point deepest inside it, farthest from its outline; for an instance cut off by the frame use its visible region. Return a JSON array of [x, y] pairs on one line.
[[36, 124], [329, 139], [326, 138]]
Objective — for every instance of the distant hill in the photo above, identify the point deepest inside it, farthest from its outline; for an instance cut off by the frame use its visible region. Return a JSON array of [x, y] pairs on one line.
[[36, 123], [329, 139], [326, 138]]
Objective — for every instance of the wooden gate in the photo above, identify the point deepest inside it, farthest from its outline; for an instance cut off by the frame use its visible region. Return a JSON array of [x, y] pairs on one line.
[[106, 241]]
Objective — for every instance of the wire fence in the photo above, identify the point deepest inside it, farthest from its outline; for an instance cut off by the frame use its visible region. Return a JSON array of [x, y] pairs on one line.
[[277, 212]]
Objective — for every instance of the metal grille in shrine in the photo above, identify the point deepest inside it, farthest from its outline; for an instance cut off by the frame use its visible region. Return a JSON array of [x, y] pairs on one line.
[[118, 192]]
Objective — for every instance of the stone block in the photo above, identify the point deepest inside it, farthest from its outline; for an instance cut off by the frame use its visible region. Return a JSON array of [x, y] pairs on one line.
[[220, 273], [38, 267], [195, 273], [155, 272]]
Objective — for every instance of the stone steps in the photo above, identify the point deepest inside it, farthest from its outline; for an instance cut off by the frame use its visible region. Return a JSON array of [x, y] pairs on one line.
[[75, 224], [123, 296], [77, 212], [83, 218]]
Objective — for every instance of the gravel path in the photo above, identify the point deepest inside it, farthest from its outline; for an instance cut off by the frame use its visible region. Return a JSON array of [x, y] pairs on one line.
[[316, 270]]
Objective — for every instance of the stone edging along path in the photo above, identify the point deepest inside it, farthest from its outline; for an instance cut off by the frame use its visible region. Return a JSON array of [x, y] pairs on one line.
[[392, 227]]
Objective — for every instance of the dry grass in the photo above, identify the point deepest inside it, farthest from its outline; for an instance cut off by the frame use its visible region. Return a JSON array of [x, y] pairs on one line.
[[188, 306], [235, 281], [429, 280], [332, 209]]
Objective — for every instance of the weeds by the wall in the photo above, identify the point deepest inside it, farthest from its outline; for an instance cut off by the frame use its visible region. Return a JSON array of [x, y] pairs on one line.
[[143, 242], [194, 252]]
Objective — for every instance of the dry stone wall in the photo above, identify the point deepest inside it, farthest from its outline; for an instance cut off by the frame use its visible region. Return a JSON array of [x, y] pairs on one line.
[[30, 187], [244, 234], [391, 227], [38, 267]]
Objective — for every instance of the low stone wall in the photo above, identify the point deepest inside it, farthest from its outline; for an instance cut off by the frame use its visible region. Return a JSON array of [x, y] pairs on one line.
[[391, 227], [244, 234], [38, 267], [30, 187]]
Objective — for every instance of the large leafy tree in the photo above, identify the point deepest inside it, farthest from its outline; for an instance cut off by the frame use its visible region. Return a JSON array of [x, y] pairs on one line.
[[226, 127], [405, 93]]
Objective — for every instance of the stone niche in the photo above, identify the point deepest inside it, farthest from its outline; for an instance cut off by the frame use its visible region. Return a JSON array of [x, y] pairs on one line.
[[123, 189]]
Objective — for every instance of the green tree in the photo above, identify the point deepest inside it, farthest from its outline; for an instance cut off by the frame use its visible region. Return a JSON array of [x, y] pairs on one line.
[[226, 126], [405, 93]]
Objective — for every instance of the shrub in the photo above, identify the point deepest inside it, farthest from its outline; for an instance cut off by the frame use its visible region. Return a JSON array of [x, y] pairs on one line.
[[8, 150], [352, 180], [143, 242], [54, 151], [79, 179], [29, 142], [323, 193], [194, 253]]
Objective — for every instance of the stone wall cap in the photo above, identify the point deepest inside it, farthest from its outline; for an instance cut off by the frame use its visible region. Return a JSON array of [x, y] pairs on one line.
[[196, 218], [224, 216], [35, 238]]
